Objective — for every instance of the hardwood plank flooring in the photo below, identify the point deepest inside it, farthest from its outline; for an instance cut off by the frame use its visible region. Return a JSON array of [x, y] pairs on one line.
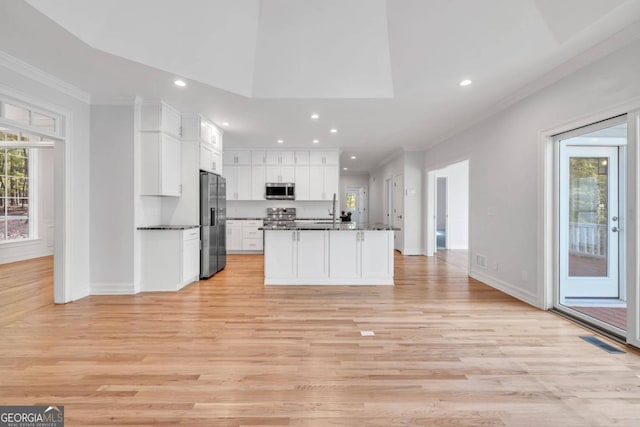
[[448, 351]]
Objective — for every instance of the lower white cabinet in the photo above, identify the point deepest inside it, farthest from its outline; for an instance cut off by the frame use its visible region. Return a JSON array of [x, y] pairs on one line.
[[328, 257], [170, 259], [298, 254], [362, 254], [234, 235], [244, 235]]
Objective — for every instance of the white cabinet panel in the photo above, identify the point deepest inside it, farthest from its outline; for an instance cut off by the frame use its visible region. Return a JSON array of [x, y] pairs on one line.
[[287, 173], [170, 259], [280, 174], [258, 180], [190, 258], [238, 182], [206, 157], [234, 237], [160, 165], [376, 247], [217, 163], [160, 117], [302, 182], [258, 158], [313, 254], [345, 254], [277, 157], [237, 157], [325, 158], [273, 174], [282, 243], [287, 158], [331, 182], [302, 158], [316, 183]]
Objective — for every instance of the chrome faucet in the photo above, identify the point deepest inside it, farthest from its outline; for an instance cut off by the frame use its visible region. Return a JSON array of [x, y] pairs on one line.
[[334, 210]]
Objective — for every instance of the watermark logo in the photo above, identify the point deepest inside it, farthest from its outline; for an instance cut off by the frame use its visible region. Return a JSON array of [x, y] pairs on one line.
[[31, 416]]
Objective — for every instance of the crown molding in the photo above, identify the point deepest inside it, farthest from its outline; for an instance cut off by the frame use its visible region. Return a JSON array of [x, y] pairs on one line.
[[34, 73]]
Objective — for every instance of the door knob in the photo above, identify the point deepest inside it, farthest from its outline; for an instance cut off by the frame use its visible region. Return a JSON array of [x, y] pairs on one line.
[[615, 229]]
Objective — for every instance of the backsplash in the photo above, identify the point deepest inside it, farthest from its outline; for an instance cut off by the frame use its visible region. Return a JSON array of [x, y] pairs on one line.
[[258, 208]]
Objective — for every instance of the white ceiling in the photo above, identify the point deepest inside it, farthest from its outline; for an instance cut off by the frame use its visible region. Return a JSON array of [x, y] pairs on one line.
[[384, 73]]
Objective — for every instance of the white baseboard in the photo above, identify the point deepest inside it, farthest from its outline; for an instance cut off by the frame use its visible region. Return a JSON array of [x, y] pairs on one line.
[[330, 282], [112, 289], [505, 287], [411, 252]]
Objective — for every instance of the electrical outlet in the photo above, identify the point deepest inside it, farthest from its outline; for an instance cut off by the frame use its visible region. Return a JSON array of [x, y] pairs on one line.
[[496, 266]]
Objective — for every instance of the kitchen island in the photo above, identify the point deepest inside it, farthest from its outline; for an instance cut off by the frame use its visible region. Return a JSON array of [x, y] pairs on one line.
[[324, 254]]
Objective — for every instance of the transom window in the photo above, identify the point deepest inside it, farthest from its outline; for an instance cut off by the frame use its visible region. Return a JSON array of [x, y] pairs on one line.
[[27, 116]]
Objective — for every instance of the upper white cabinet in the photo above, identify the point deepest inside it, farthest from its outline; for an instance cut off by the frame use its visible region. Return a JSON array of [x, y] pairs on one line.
[[302, 183], [280, 174], [160, 117], [160, 165], [258, 181], [301, 158], [237, 157], [259, 158], [196, 128], [331, 158], [280, 157], [238, 182], [323, 182]]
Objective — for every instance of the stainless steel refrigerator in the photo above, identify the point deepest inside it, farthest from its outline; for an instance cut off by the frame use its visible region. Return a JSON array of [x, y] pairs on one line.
[[213, 215]]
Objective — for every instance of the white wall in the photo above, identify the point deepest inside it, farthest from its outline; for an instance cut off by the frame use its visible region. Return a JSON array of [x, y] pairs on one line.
[[112, 212], [457, 176], [393, 166], [413, 242], [43, 243], [503, 170], [71, 182]]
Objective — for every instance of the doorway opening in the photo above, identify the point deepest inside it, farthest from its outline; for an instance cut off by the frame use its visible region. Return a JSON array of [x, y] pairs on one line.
[[591, 224], [388, 194], [442, 215], [356, 204]]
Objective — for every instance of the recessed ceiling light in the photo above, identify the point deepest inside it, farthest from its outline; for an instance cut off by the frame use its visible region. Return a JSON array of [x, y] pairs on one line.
[[353, 157], [280, 141], [315, 141], [315, 116], [225, 124], [344, 169], [333, 130], [465, 82], [179, 83]]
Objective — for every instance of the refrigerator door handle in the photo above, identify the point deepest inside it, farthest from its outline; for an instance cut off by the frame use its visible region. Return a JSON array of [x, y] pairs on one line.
[[213, 216]]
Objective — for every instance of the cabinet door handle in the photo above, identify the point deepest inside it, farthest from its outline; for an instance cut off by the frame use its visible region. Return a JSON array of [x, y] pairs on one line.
[[294, 236], [362, 236], [357, 236]]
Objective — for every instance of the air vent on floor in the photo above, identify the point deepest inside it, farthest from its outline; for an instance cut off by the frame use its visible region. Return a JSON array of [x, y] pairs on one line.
[[481, 261], [601, 344]]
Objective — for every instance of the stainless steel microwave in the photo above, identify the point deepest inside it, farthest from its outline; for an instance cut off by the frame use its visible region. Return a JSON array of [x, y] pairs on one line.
[[280, 191]]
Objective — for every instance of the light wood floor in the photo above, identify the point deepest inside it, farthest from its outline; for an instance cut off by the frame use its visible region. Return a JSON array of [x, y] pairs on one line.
[[448, 351]]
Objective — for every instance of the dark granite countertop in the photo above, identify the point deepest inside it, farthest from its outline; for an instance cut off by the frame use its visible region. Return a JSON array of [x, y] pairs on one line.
[[341, 226], [169, 227]]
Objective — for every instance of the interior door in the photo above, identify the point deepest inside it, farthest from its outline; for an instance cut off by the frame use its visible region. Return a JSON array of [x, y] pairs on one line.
[[398, 210], [589, 227]]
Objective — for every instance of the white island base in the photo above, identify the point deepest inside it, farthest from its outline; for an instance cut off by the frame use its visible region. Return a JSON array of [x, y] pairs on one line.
[[328, 257]]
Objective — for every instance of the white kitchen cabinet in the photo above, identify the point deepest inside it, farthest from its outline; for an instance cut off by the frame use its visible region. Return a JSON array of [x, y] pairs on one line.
[[366, 255], [323, 182], [252, 235], [280, 173], [258, 181], [170, 259], [376, 249], [258, 157], [277, 157], [302, 182], [160, 165], [283, 243], [328, 257], [210, 159], [329, 158], [160, 117], [301, 158], [345, 254], [312, 254], [238, 182], [237, 157], [234, 235]]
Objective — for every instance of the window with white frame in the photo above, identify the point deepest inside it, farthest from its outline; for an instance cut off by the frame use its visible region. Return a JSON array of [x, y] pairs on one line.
[[22, 130]]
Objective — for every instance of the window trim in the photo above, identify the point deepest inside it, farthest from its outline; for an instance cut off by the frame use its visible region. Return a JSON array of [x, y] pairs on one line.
[[58, 132]]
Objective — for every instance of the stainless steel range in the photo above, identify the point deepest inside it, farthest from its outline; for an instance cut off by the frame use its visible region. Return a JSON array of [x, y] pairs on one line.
[[280, 217]]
